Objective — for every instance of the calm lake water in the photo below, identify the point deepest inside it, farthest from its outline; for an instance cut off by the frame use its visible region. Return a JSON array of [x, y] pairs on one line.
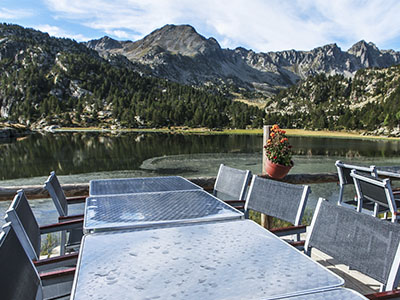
[[80, 157]]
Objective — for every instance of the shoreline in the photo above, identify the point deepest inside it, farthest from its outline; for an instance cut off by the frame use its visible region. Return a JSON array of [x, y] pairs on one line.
[[206, 131]]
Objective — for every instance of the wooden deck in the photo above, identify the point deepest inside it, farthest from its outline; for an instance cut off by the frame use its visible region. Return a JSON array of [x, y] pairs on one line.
[[353, 279]]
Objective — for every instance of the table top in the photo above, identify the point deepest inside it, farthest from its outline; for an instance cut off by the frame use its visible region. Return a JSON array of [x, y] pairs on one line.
[[140, 185], [339, 293], [123, 211], [221, 260]]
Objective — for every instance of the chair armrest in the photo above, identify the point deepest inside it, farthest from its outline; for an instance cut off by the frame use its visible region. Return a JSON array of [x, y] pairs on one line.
[[238, 204], [234, 202], [289, 230], [298, 245], [384, 295], [57, 276], [73, 224], [241, 208], [79, 199], [72, 217], [68, 260]]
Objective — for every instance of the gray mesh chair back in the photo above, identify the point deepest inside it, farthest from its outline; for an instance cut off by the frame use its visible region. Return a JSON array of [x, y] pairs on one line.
[[376, 190], [24, 223], [277, 199], [18, 276], [345, 178], [231, 183], [52, 185], [364, 243]]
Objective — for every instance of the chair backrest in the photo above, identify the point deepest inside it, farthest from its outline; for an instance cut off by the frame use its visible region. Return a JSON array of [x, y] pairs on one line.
[[231, 183], [374, 189], [344, 171], [364, 243], [24, 223], [277, 199], [18, 276], [52, 185]]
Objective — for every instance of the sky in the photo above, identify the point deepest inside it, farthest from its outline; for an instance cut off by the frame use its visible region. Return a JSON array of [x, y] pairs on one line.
[[260, 25]]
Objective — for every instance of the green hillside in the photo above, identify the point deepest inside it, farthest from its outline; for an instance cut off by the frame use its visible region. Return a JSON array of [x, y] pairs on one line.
[[370, 101], [46, 80]]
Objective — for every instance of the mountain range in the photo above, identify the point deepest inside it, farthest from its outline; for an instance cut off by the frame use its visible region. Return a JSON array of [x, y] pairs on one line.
[[180, 54], [176, 77], [55, 81]]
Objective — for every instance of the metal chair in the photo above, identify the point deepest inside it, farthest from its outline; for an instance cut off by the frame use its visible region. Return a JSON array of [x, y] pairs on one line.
[[231, 185], [19, 277], [360, 241], [61, 202], [29, 233], [375, 190], [280, 200], [53, 186], [344, 170]]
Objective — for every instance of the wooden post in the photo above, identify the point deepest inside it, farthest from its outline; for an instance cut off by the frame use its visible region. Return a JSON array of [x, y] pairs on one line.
[[266, 221]]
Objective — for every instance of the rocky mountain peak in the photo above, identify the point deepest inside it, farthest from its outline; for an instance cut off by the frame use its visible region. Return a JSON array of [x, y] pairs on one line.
[[105, 43], [179, 53], [370, 56], [361, 47], [179, 39]]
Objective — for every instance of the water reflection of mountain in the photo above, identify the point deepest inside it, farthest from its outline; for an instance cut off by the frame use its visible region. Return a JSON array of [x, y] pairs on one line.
[[345, 147], [76, 153]]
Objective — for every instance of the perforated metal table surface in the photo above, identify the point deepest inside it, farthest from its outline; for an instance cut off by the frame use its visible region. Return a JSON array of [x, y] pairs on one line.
[[140, 185], [221, 260], [116, 212]]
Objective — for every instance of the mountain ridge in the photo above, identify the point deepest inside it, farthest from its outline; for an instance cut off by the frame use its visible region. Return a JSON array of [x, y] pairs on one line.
[[180, 54], [369, 102], [54, 81]]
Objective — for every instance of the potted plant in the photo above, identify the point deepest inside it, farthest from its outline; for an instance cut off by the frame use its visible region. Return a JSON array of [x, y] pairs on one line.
[[279, 154]]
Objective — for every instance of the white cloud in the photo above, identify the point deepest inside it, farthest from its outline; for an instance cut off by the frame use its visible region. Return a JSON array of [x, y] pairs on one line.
[[121, 34], [12, 14], [259, 24], [58, 32]]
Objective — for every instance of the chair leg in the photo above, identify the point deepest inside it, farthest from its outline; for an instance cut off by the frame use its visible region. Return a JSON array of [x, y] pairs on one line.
[[297, 237], [340, 195], [359, 205], [63, 242], [376, 210]]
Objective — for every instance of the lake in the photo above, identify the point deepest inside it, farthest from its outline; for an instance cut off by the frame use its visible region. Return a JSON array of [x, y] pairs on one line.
[[80, 157]]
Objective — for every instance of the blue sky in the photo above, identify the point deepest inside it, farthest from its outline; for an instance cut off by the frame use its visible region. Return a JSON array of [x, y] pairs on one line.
[[261, 25]]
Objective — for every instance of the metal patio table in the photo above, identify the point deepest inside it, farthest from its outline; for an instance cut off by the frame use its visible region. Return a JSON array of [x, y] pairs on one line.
[[116, 212], [140, 185], [221, 260]]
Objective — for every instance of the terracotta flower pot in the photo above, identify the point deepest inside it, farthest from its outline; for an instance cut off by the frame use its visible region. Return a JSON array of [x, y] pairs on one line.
[[276, 171]]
